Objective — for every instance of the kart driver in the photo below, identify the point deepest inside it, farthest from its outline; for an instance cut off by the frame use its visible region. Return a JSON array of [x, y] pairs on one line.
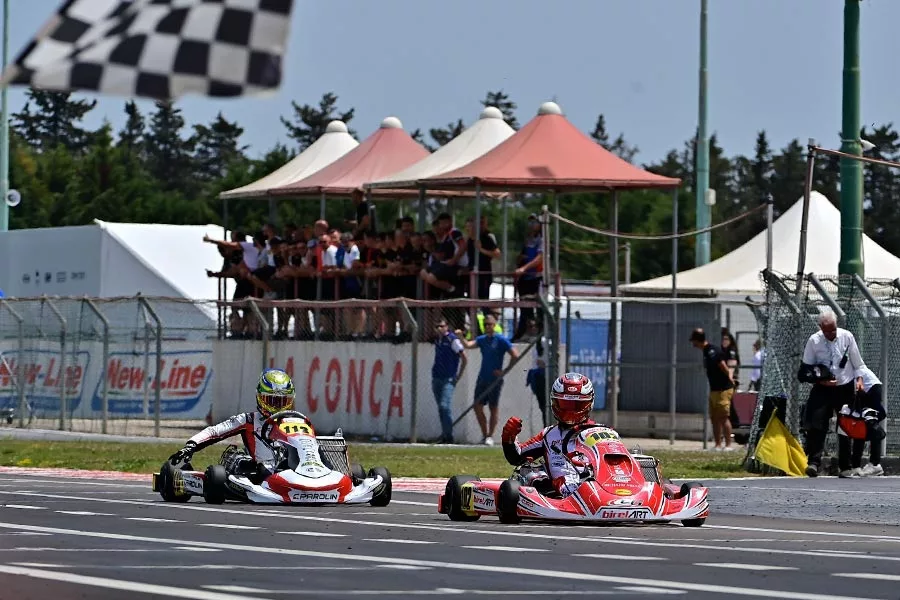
[[571, 400], [274, 393]]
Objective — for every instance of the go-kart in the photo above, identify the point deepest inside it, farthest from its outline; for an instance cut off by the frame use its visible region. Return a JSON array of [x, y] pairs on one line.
[[616, 486], [299, 476]]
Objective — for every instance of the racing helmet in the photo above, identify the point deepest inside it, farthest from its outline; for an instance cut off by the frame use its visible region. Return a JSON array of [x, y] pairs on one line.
[[274, 392], [572, 398]]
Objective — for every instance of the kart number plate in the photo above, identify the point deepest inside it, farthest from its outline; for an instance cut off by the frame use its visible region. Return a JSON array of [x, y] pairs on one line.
[[291, 428], [624, 514]]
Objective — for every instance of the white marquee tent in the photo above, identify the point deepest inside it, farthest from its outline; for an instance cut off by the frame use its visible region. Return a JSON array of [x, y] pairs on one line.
[[332, 145], [478, 139], [738, 272]]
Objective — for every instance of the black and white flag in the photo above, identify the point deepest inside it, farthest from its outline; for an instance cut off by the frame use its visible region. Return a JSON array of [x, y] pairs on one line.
[[161, 49]]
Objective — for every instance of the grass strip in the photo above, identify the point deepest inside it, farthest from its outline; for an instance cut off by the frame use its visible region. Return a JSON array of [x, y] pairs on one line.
[[401, 461]]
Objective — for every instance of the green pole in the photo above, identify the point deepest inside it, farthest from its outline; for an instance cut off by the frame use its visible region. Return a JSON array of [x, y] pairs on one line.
[[851, 170], [4, 129], [703, 218]]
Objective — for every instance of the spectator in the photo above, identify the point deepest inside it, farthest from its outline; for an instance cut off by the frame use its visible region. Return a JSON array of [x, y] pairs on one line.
[[871, 397], [528, 274], [756, 373], [832, 363], [732, 358], [490, 377], [449, 363], [721, 389], [365, 215], [487, 250], [536, 378]]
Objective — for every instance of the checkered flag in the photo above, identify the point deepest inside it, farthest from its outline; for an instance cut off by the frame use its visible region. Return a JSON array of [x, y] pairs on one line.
[[160, 49]]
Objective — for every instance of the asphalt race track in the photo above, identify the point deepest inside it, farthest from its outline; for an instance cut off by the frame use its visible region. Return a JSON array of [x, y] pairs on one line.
[[64, 537]]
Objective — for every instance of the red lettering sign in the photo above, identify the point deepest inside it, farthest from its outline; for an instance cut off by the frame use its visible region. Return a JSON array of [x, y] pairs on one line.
[[375, 405], [355, 385], [396, 400], [312, 401], [333, 391]]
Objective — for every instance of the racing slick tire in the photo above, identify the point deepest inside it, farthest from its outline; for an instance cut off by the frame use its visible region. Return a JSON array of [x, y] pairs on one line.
[[382, 495], [167, 484], [453, 497], [508, 502], [357, 473], [684, 491], [214, 484]]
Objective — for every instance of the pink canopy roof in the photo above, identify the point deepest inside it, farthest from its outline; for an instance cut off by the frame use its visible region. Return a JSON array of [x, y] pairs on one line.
[[549, 153], [387, 151]]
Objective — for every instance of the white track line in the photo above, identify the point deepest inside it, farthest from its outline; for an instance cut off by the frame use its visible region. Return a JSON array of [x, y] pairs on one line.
[[878, 576], [745, 567], [722, 590], [620, 557], [122, 585]]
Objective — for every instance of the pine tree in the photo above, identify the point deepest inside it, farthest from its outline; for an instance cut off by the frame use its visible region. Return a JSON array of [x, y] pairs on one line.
[[619, 146], [131, 137], [309, 122], [443, 135], [51, 119], [217, 148], [168, 154]]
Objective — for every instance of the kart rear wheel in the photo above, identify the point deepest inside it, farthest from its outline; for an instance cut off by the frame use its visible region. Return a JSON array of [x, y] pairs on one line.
[[357, 473], [693, 522], [508, 504], [214, 484], [382, 495], [167, 484], [453, 497]]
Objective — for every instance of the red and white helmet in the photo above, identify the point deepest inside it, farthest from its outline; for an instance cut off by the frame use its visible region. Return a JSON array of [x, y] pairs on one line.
[[572, 398]]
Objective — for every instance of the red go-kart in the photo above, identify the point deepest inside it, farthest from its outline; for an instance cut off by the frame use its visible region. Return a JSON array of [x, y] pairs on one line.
[[616, 486]]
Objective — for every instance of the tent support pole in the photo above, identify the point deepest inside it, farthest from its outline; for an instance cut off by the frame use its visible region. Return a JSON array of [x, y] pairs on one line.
[[322, 206], [673, 368], [807, 192], [614, 314], [505, 248], [474, 278], [422, 217], [556, 233]]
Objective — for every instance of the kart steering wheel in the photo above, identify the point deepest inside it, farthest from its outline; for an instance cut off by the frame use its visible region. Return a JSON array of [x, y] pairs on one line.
[[276, 418]]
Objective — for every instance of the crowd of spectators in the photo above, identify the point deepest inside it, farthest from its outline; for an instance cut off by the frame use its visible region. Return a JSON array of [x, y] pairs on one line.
[[327, 263]]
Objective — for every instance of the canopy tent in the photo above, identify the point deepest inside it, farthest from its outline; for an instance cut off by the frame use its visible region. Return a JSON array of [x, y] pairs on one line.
[[386, 151], [552, 154], [332, 145], [482, 136], [738, 272]]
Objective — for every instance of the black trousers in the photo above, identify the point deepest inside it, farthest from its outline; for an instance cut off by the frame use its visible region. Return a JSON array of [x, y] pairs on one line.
[[871, 399], [824, 401]]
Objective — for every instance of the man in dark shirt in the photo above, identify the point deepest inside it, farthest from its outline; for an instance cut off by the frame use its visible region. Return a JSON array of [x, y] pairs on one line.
[[484, 251], [364, 218], [721, 389]]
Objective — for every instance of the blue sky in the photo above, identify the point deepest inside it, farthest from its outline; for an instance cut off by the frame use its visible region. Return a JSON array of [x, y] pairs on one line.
[[774, 65]]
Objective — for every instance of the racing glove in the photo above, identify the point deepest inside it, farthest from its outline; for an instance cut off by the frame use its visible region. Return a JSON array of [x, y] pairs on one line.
[[185, 454], [512, 428]]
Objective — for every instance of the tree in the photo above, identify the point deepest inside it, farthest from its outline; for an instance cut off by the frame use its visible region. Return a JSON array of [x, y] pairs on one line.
[[168, 154], [51, 119], [309, 122], [131, 137], [619, 147], [881, 186], [217, 148], [501, 101]]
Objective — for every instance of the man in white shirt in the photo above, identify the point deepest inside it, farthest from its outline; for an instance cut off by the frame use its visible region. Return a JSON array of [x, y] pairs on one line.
[[834, 349]]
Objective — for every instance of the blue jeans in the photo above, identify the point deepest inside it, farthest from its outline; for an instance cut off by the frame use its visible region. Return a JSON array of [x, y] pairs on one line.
[[443, 388]]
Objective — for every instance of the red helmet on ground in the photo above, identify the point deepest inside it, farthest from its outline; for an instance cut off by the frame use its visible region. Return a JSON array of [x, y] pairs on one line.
[[572, 398]]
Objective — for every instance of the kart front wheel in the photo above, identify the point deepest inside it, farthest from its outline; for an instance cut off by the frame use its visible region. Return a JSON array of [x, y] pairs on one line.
[[214, 484], [168, 475], [382, 495], [357, 473], [508, 502], [453, 497]]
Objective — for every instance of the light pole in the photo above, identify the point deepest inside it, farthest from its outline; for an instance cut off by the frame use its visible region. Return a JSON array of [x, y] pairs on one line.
[[703, 217], [4, 129], [851, 262]]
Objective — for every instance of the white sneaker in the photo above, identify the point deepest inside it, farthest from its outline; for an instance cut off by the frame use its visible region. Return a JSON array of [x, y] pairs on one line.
[[488, 441], [728, 449], [871, 470], [849, 473]]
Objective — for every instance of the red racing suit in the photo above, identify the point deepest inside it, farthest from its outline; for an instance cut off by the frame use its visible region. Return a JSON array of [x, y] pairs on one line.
[[548, 443], [249, 426]]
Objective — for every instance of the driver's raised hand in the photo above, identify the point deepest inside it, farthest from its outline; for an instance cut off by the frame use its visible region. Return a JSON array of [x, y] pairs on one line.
[[512, 428], [185, 454]]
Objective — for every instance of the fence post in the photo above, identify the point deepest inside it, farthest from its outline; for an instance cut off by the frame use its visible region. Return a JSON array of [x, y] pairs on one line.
[[885, 342], [105, 379], [250, 302], [568, 333], [157, 391], [838, 311], [63, 403], [552, 354], [414, 381], [20, 379]]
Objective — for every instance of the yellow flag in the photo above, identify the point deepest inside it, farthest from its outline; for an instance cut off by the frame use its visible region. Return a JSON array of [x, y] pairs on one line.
[[778, 448]]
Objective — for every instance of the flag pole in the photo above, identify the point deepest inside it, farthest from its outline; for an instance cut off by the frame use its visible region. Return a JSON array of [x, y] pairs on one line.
[[4, 128]]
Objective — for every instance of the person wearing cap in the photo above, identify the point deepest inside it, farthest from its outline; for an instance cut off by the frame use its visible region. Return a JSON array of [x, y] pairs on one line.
[[528, 274], [721, 389]]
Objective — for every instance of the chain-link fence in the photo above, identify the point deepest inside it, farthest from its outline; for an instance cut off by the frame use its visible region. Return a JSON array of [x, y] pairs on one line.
[[130, 366], [870, 309]]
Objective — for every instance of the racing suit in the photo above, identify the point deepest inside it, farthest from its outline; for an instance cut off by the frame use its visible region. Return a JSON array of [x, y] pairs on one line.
[[564, 471], [249, 426]]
